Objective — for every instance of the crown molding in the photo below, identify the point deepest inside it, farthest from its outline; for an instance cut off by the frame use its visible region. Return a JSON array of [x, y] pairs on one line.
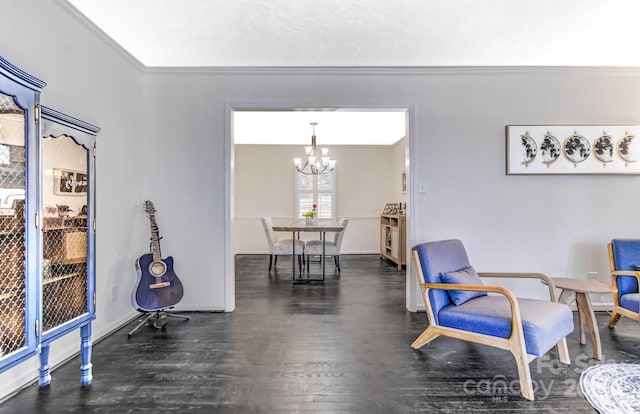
[[397, 70], [93, 28]]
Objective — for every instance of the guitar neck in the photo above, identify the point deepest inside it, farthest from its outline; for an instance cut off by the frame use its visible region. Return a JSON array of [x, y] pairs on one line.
[[155, 239]]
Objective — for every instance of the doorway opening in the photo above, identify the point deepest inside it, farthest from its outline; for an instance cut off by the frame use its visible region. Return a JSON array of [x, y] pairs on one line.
[[262, 142]]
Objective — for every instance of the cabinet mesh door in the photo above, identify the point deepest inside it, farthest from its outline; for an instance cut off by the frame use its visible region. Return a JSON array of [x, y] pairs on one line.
[[12, 226], [64, 231]]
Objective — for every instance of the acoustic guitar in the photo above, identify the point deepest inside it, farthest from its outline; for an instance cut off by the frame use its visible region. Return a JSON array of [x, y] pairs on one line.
[[157, 287]]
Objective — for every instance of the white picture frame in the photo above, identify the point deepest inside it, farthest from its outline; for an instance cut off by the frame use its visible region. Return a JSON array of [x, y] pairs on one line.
[[572, 149]]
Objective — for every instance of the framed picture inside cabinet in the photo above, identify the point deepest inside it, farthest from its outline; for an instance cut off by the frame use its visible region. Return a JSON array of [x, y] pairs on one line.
[[80, 183], [403, 181], [67, 182]]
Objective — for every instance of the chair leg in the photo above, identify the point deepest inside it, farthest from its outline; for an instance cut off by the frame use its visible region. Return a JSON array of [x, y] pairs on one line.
[[336, 259], [524, 374], [519, 352], [563, 352], [270, 262], [425, 337], [615, 317]]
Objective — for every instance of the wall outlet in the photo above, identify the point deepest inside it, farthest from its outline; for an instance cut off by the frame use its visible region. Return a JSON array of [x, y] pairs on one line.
[[592, 275], [114, 293]]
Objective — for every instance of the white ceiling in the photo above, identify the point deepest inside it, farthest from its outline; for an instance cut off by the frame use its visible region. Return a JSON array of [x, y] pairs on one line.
[[338, 127], [371, 32]]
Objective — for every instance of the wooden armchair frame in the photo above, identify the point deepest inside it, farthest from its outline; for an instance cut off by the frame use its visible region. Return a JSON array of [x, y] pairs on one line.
[[618, 310], [515, 343]]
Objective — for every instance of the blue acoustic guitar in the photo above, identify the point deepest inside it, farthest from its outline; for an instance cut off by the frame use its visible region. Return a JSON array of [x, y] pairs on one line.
[[157, 287]]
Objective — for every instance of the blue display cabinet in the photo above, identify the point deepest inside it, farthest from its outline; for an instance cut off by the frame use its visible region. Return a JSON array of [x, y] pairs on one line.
[[47, 225]]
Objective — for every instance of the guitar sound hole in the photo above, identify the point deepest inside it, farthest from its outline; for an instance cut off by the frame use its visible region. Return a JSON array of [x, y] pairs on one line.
[[157, 268]]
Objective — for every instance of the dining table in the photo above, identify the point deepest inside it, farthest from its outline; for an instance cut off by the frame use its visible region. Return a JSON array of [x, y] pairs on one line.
[[321, 226]]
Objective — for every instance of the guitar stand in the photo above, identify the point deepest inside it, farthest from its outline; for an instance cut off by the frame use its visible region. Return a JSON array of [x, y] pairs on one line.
[[157, 318]]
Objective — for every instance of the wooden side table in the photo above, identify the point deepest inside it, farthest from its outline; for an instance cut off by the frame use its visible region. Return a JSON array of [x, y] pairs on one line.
[[578, 290]]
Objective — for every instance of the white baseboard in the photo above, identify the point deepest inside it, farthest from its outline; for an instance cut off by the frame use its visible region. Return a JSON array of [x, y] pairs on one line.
[[602, 306]]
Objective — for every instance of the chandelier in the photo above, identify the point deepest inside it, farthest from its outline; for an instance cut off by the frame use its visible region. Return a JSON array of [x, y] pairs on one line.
[[317, 162]]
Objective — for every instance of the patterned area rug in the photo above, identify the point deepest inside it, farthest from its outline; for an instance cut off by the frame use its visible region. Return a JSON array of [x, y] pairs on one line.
[[612, 388]]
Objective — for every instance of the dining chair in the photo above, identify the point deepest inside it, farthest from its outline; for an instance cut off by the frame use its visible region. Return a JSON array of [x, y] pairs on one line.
[[332, 247], [458, 305], [281, 247], [624, 261]]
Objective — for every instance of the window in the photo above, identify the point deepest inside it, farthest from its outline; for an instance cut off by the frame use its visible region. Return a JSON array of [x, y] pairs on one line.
[[316, 189]]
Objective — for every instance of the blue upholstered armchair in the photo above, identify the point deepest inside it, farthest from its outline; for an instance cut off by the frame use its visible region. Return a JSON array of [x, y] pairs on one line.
[[624, 260], [458, 305]]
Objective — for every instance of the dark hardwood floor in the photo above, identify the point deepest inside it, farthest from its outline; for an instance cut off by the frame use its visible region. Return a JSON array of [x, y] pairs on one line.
[[341, 347]]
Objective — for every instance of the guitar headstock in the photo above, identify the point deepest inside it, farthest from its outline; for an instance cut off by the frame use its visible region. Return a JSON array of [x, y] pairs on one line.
[[149, 208]]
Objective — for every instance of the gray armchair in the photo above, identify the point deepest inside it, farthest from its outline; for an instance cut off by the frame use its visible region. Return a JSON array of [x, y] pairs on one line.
[[281, 247], [458, 305], [332, 247]]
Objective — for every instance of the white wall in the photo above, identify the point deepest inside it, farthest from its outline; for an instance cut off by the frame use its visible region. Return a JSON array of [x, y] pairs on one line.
[[553, 224], [164, 137], [400, 165], [264, 186], [91, 80]]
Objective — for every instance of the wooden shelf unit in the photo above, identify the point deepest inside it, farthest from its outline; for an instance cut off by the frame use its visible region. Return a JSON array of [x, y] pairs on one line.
[[393, 238]]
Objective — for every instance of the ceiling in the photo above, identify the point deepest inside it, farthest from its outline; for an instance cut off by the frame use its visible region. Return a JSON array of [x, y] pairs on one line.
[[363, 33], [335, 127], [344, 33]]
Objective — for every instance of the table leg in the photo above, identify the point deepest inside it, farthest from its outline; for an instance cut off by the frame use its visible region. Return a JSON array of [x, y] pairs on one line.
[[567, 297], [324, 258], [584, 306], [581, 321], [293, 259], [322, 263]]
